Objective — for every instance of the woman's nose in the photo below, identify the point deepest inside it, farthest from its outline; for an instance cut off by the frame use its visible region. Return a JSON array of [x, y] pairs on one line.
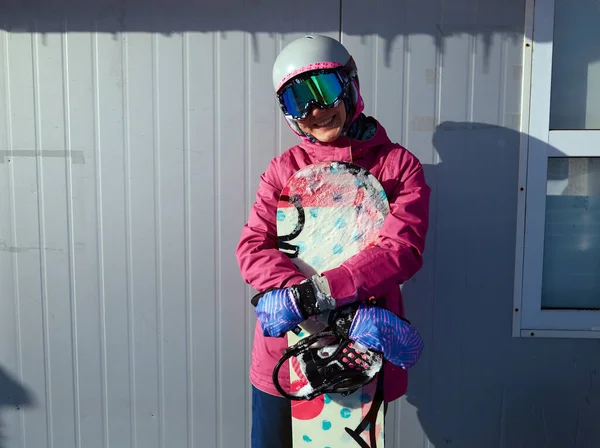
[[315, 110]]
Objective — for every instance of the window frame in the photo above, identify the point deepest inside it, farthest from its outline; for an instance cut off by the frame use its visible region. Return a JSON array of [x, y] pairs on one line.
[[538, 143]]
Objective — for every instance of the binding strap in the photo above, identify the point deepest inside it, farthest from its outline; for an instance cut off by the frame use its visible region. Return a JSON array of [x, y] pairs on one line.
[[370, 419]]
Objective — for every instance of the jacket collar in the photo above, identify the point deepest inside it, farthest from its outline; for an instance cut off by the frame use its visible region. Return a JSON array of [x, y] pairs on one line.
[[344, 149]]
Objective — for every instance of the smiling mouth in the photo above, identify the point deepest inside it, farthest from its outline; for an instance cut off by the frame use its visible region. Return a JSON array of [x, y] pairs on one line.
[[325, 123]]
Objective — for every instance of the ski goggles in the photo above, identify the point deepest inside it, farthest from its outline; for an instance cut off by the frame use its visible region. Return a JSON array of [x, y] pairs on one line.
[[323, 89]]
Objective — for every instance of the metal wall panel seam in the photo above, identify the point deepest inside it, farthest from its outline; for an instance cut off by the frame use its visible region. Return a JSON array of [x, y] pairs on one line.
[[42, 234], [406, 92], [278, 119], [189, 340], [158, 240], [218, 235], [503, 81], [341, 22], [70, 239], [100, 235], [373, 98], [128, 240], [439, 62], [471, 81], [12, 199], [247, 189]]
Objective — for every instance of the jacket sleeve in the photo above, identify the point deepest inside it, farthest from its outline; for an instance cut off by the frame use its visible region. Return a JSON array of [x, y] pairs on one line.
[[398, 254], [261, 264]]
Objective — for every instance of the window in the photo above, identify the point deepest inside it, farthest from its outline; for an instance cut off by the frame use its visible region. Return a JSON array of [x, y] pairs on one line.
[[557, 281]]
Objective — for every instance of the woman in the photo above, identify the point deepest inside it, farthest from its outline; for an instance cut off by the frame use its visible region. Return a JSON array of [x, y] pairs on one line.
[[316, 83]]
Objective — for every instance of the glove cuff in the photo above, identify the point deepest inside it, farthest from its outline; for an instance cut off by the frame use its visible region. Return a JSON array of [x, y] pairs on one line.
[[306, 299], [324, 300]]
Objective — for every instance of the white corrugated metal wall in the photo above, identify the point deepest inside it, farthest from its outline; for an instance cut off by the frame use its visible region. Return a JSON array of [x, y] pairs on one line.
[[132, 137], [132, 141]]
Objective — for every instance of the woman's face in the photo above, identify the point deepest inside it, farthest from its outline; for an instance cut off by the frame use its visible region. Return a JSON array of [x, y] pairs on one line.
[[324, 124]]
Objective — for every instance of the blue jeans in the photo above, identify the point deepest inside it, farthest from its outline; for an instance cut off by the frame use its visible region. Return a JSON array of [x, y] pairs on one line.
[[271, 421]]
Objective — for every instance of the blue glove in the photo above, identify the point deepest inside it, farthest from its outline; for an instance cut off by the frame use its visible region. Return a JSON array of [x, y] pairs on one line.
[[381, 330], [281, 310], [278, 312]]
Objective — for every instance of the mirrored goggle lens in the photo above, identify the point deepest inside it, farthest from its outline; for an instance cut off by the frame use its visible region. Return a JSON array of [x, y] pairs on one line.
[[323, 89]]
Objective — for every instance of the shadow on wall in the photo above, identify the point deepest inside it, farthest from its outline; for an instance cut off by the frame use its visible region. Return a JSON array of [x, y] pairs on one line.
[[427, 17], [13, 397], [476, 385]]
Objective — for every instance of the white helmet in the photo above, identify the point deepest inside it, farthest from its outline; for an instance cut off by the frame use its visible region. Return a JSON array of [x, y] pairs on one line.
[[308, 53], [317, 52]]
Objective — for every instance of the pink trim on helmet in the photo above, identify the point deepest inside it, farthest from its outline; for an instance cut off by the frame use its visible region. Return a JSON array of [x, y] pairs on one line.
[[308, 68]]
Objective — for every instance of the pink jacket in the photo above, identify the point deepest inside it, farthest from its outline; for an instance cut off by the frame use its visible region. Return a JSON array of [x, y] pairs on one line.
[[377, 271]]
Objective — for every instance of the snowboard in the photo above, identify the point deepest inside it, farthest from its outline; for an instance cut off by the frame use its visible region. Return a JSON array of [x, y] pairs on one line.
[[328, 212]]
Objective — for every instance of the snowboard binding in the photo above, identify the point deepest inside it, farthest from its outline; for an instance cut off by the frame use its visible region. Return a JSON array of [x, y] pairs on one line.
[[330, 364], [330, 361]]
